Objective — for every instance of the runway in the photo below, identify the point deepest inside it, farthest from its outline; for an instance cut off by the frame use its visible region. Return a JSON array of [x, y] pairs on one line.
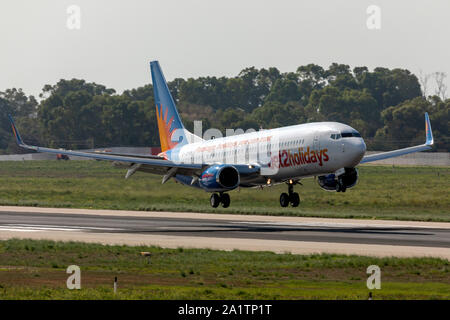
[[297, 235]]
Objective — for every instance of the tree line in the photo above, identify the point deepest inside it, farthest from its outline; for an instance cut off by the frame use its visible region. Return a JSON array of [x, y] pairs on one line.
[[385, 105]]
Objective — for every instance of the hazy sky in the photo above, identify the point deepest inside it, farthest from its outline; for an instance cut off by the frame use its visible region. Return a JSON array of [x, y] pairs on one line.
[[194, 38]]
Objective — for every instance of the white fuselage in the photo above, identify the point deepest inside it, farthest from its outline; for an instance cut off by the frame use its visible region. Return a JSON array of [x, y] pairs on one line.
[[297, 151]]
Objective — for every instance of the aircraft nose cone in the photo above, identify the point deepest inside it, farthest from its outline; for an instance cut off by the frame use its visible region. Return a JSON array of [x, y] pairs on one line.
[[357, 150], [362, 148]]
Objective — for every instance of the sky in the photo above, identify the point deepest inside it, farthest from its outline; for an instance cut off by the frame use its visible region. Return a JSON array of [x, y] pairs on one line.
[[191, 38]]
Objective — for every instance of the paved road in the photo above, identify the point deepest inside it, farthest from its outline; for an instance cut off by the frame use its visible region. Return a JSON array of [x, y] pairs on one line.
[[393, 234]]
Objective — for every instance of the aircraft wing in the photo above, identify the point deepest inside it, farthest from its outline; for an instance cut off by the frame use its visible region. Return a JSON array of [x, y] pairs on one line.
[[134, 155], [396, 153], [151, 164]]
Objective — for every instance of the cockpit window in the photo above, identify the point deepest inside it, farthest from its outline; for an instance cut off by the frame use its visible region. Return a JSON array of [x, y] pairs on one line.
[[335, 136], [351, 134]]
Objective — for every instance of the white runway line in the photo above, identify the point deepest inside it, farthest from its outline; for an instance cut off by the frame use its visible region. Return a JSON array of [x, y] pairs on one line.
[[51, 226], [35, 228], [32, 229], [17, 229]]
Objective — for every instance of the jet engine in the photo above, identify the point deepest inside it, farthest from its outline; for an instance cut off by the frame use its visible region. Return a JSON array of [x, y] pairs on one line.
[[220, 177], [330, 182]]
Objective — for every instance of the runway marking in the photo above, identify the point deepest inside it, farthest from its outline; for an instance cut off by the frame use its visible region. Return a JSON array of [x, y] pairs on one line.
[[62, 232], [62, 226], [227, 217], [35, 228], [329, 225], [17, 229]]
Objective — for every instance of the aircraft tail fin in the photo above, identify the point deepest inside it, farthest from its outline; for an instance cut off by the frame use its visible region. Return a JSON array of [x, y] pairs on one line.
[[15, 131], [428, 133], [171, 130]]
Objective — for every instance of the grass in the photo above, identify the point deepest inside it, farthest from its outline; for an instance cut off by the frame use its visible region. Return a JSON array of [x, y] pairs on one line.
[[383, 192], [31, 269]]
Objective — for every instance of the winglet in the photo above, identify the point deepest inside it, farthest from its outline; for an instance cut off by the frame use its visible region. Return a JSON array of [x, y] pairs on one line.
[[428, 132], [16, 132]]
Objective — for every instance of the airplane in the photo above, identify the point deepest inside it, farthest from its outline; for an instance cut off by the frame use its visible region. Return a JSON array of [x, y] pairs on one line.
[[330, 151]]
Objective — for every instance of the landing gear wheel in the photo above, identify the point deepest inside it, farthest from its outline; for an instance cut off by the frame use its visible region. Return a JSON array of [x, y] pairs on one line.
[[214, 200], [284, 200], [340, 186], [294, 199], [291, 197], [225, 199]]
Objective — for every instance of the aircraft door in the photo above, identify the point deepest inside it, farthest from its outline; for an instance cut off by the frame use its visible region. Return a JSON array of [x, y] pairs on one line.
[[247, 153]]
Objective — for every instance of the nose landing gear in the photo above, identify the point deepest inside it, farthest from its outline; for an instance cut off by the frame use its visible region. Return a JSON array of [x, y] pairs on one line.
[[217, 199], [291, 197]]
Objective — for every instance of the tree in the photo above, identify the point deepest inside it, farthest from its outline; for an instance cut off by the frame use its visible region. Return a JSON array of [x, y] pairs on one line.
[[256, 86], [23, 106], [441, 87], [141, 93], [350, 106], [390, 87], [311, 77], [285, 89], [73, 112], [340, 76], [404, 123], [66, 115], [23, 109], [5, 133], [360, 73], [128, 123], [275, 114], [423, 80]]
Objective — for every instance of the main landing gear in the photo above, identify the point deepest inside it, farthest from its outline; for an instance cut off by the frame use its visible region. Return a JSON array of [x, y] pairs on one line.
[[340, 185], [291, 197], [217, 199]]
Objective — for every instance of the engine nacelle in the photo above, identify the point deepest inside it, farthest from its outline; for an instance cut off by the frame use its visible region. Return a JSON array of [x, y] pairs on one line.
[[329, 182], [220, 177]]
